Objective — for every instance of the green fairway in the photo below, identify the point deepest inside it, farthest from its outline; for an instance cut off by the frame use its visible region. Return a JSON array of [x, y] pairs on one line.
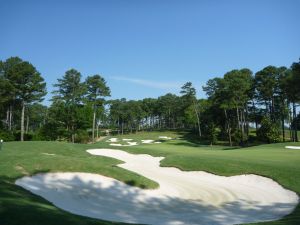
[[18, 206]]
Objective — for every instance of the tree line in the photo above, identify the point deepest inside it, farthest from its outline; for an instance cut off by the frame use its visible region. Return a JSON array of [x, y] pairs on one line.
[[240, 107]]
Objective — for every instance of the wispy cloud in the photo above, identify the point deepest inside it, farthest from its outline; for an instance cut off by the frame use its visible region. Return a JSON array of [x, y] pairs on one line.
[[149, 83]]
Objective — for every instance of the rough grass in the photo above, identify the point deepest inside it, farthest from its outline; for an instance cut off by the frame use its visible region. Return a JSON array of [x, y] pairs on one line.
[[18, 206]]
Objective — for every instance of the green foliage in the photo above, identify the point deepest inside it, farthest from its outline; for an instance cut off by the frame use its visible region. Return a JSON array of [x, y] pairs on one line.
[[27, 136], [82, 136], [68, 100], [268, 132], [239, 137], [234, 100], [212, 133], [6, 136], [70, 90], [96, 89], [52, 131]]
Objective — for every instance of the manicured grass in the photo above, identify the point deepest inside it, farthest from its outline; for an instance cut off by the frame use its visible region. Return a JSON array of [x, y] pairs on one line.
[[18, 206]]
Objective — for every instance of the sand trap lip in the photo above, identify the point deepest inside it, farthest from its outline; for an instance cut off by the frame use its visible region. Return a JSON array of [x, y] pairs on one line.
[[182, 198], [293, 147]]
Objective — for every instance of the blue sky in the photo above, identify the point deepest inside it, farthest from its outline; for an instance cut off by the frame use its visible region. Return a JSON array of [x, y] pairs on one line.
[[147, 48]]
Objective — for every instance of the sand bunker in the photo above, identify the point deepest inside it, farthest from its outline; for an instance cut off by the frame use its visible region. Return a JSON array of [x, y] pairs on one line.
[[50, 154], [112, 140], [147, 141], [293, 147], [182, 198], [164, 137], [129, 144]]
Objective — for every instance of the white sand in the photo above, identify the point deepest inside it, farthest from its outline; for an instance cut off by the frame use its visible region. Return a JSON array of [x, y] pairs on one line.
[[112, 140], [293, 147], [164, 137], [157, 142], [50, 154], [147, 141], [127, 139], [129, 144], [182, 198], [113, 144], [132, 143]]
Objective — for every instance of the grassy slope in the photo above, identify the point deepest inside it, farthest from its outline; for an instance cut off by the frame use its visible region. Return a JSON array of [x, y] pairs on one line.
[[18, 159]]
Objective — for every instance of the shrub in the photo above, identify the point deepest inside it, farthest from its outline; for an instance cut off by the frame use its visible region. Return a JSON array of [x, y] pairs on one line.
[[268, 132], [212, 134], [239, 138], [82, 136], [6, 136], [52, 131], [27, 136]]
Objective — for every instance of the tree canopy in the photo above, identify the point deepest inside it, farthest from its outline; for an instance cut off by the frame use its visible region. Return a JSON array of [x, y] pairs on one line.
[[241, 106]]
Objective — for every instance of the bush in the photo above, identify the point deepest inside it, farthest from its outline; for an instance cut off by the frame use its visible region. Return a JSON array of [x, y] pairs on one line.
[[238, 138], [212, 134], [268, 132], [52, 131], [27, 136], [82, 136], [6, 136]]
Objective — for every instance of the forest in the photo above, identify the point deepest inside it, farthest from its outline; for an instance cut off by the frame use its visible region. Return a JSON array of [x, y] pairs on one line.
[[241, 108]]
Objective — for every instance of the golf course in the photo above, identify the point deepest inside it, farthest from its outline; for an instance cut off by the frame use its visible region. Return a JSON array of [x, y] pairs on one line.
[[30, 158], [169, 112]]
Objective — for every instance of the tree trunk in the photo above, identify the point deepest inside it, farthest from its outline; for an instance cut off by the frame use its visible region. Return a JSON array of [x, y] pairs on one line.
[[27, 124], [246, 117], [282, 112], [198, 120], [93, 131], [267, 108], [22, 121], [174, 124], [290, 124], [73, 134], [242, 124], [255, 116], [10, 117], [228, 128], [273, 109], [283, 129], [238, 118], [97, 131], [7, 117], [295, 122], [169, 119]]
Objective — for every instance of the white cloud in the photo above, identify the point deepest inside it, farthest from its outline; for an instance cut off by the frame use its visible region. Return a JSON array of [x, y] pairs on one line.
[[149, 83]]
